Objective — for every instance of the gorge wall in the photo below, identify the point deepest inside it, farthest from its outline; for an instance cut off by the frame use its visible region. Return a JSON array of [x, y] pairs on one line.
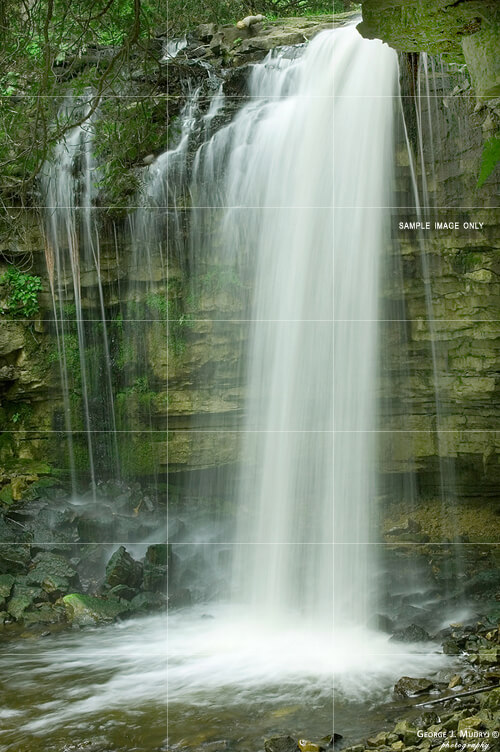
[[182, 411]]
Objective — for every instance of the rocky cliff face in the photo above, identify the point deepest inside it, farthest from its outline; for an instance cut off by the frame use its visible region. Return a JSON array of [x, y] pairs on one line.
[[193, 364]]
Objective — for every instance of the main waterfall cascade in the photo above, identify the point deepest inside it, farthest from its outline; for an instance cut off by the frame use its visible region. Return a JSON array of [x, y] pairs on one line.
[[286, 174]]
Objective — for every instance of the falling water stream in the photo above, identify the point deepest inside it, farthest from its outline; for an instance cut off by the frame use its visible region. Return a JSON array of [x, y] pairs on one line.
[[299, 185]]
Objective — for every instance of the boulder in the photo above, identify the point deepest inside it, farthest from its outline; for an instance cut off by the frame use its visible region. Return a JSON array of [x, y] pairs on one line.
[[6, 584], [122, 569], [156, 564], [408, 687], [87, 610], [24, 597], [406, 731], [14, 558], [412, 633], [281, 744], [147, 601], [53, 574]]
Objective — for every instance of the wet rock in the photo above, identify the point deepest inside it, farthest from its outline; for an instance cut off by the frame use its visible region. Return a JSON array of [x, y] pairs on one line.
[[486, 581], [6, 584], [14, 558], [426, 719], [122, 569], [23, 598], [156, 564], [451, 647], [45, 613], [383, 623], [412, 633], [53, 574], [409, 687], [180, 598], [409, 526], [86, 610], [281, 744], [491, 700], [147, 601], [122, 591], [407, 732], [380, 740], [306, 746], [455, 681], [472, 723]]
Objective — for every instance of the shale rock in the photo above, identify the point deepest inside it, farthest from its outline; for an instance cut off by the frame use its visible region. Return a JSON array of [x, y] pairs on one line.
[[122, 569]]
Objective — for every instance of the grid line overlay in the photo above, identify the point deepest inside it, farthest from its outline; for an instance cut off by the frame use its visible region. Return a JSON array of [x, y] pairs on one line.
[[333, 377], [332, 321]]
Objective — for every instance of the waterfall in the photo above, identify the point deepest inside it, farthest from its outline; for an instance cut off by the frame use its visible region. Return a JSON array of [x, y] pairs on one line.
[[302, 180], [73, 256]]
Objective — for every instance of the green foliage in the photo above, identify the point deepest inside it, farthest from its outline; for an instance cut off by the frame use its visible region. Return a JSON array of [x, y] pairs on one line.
[[490, 159], [158, 304], [170, 310], [220, 279], [22, 291]]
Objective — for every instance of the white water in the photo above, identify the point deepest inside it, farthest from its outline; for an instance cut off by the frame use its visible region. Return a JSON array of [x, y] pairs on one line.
[[73, 253], [302, 179], [202, 673]]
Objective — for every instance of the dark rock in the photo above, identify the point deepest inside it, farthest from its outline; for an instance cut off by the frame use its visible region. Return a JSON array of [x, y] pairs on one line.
[[122, 591], [6, 584], [147, 601], [451, 647], [383, 623], [426, 719], [281, 744], [14, 558], [409, 526], [52, 573], [156, 564], [44, 614], [489, 580], [23, 598], [408, 687], [86, 610], [413, 633], [122, 569], [180, 598]]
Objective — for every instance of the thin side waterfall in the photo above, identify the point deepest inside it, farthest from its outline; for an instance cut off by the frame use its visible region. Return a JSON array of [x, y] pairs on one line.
[[73, 256], [286, 178]]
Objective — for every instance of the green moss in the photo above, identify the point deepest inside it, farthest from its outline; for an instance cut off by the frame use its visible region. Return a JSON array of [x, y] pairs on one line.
[[490, 159]]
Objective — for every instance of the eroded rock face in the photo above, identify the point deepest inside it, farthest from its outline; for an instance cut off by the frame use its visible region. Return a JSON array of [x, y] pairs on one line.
[[203, 373]]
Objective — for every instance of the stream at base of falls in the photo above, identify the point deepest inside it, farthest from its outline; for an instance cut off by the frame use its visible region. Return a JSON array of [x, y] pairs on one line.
[[217, 678]]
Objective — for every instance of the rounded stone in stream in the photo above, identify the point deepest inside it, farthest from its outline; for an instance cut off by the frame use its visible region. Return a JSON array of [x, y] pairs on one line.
[[281, 744], [408, 687], [122, 569], [412, 633]]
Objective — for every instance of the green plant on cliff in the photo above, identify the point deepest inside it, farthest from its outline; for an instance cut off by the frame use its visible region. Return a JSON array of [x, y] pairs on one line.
[[170, 310], [490, 159], [22, 293]]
